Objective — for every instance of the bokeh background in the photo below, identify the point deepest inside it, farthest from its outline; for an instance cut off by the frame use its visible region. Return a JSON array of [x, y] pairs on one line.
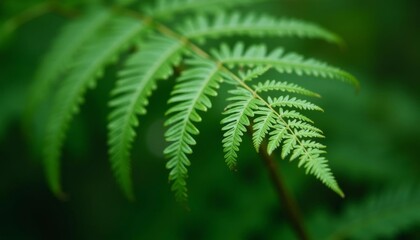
[[373, 139]]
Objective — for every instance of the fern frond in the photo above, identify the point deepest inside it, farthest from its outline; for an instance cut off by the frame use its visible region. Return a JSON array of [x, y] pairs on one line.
[[64, 48], [292, 114], [379, 216], [262, 125], [253, 73], [318, 166], [170, 8], [286, 101], [292, 132], [136, 82], [190, 95], [302, 125], [273, 85], [276, 137], [89, 65], [242, 107], [202, 27], [257, 55]]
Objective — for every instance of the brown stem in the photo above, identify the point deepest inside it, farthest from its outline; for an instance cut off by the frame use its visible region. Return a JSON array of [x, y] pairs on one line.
[[286, 199]]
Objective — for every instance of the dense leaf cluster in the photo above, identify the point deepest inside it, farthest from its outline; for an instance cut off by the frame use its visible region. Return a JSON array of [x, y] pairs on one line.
[[273, 109]]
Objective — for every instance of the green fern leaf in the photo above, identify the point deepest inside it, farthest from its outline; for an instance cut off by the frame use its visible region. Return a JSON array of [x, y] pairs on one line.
[[292, 114], [130, 97], [202, 27], [235, 123], [257, 55], [262, 125], [292, 134], [252, 73], [303, 125], [64, 48], [170, 8], [276, 137], [379, 216], [318, 166], [190, 95], [288, 145], [286, 101], [273, 85], [102, 49]]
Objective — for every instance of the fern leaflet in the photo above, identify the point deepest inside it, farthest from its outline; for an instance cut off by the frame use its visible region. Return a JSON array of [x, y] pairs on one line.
[[169, 8], [130, 97], [379, 216], [283, 63], [190, 95], [242, 107], [290, 131], [202, 27], [273, 85], [102, 50], [64, 49], [286, 101], [262, 125]]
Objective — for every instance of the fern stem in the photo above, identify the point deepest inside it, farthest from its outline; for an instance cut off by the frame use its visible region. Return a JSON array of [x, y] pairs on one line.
[[286, 199]]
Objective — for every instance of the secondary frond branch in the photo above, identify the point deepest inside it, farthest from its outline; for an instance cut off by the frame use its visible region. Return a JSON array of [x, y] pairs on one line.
[[64, 49], [169, 8], [136, 82], [222, 24], [257, 55], [190, 95], [88, 67]]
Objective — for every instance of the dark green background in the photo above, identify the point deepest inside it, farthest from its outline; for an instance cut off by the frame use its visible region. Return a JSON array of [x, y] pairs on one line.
[[373, 139]]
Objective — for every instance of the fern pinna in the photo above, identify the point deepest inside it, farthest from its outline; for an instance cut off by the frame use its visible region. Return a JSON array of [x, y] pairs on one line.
[[153, 45]]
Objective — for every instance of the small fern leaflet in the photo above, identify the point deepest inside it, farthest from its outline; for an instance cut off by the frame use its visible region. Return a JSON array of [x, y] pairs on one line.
[[239, 111], [190, 95], [130, 97], [202, 27], [89, 66], [262, 125], [64, 48], [273, 85], [257, 55], [170, 8]]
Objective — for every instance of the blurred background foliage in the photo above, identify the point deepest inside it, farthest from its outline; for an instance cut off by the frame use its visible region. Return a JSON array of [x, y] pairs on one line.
[[373, 138]]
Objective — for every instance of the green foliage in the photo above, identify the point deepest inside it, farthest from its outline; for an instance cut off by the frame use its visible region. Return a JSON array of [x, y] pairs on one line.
[[235, 124], [87, 67], [190, 94], [63, 51], [136, 82], [236, 23], [153, 48], [257, 55], [378, 216]]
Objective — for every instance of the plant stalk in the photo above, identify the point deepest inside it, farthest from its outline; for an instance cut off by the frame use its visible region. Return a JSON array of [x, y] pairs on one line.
[[286, 199]]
